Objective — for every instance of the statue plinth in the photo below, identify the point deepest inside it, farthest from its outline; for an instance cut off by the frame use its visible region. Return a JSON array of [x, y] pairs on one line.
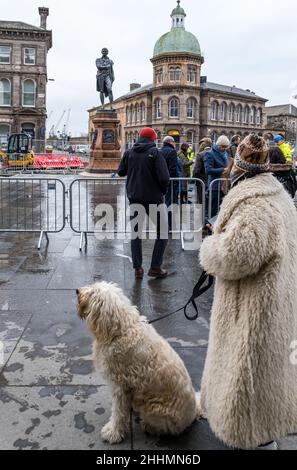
[[106, 151]]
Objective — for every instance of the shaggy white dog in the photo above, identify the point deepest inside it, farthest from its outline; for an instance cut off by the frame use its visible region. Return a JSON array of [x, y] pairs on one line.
[[145, 373]]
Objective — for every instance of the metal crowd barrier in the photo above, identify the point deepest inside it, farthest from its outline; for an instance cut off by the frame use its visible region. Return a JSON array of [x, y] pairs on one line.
[[88, 198], [217, 190], [32, 205]]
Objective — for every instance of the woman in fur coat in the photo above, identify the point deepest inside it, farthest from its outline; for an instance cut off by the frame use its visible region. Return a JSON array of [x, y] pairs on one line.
[[249, 385]]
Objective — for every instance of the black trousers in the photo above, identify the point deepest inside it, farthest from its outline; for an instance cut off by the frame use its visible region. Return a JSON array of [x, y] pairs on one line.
[[160, 243]]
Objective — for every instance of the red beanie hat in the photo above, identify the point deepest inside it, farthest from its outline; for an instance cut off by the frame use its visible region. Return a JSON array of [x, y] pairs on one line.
[[149, 133]]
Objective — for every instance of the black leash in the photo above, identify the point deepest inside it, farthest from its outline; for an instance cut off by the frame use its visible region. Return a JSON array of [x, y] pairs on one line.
[[197, 292]]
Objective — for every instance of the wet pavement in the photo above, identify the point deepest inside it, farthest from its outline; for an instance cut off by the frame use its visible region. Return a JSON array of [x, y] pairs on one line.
[[50, 395]]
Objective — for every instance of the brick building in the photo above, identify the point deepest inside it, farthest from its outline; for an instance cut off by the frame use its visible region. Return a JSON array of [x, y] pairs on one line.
[[23, 78]]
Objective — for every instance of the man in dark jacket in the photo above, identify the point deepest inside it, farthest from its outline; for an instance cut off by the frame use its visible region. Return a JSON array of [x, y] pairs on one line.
[[170, 154], [147, 183]]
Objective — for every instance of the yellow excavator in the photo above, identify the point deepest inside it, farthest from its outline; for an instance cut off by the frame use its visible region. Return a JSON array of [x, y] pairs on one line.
[[19, 152]]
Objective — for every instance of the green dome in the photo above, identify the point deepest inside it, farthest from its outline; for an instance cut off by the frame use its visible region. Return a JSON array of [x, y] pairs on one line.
[[177, 40]]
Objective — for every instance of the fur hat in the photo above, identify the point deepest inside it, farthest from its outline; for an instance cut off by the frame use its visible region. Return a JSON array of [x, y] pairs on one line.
[[149, 133], [252, 155]]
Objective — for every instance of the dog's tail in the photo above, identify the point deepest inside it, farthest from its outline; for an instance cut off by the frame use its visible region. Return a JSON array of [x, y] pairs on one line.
[[199, 410]]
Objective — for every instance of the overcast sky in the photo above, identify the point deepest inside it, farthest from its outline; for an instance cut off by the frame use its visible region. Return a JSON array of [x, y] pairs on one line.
[[251, 44]]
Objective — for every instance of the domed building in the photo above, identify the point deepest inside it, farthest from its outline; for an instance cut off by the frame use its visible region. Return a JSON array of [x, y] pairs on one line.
[[182, 103]]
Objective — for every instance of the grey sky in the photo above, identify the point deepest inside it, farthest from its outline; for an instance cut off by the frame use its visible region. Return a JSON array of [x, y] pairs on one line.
[[251, 44]]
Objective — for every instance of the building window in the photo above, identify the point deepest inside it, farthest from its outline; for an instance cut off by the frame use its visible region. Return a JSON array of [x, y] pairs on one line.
[[192, 74], [4, 133], [174, 108], [259, 116], [128, 115], [29, 56], [191, 108], [5, 92], [159, 75], [5, 54], [29, 93], [223, 112], [252, 116], [158, 106], [174, 74], [142, 112], [245, 115], [190, 137], [214, 112], [137, 113], [231, 112], [238, 113]]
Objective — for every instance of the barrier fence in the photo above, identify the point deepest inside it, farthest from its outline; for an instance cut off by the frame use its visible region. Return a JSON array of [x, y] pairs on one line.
[[36, 204], [32, 205]]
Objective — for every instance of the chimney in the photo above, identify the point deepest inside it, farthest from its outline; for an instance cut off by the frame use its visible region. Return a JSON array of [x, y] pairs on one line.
[[134, 86], [43, 12]]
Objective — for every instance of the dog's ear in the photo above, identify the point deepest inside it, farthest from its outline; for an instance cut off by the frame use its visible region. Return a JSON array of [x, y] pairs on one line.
[[83, 299], [105, 318]]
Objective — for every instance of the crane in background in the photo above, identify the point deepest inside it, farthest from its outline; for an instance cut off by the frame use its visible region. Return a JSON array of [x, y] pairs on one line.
[[54, 128]]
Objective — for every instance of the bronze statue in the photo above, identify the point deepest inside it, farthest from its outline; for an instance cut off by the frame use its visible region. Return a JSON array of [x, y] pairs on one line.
[[105, 76]]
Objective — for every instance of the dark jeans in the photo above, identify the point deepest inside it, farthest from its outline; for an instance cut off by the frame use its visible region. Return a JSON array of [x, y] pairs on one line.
[[159, 248]]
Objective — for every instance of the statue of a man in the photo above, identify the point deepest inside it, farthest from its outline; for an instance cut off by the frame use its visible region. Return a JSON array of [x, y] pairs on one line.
[[105, 76]]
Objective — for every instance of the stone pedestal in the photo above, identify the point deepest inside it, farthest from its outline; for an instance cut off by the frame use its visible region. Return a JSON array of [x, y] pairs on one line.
[[106, 151]]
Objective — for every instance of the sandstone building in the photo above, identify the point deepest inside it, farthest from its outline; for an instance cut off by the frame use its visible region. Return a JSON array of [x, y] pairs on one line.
[[23, 78], [180, 101]]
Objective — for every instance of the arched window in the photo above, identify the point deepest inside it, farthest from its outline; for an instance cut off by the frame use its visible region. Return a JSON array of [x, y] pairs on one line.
[[252, 115], [142, 112], [4, 133], [191, 108], [158, 108], [128, 115], [174, 74], [5, 92], [133, 117], [245, 115], [171, 73], [137, 113], [231, 112], [192, 74], [259, 116], [223, 111], [29, 89], [159, 75], [214, 111], [174, 108], [238, 113]]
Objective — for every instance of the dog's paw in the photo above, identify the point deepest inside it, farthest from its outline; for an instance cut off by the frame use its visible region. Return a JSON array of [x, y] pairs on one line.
[[112, 435], [148, 429]]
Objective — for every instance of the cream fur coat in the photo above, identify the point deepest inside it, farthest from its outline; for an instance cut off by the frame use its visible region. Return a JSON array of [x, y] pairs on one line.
[[249, 385]]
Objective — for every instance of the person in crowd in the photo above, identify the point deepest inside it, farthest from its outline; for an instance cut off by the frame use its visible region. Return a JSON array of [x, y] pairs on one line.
[[199, 167], [283, 170], [249, 382], [284, 146], [235, 141], [187, 164], [268, 137], [215, 161], [147, 184], [170, 154]]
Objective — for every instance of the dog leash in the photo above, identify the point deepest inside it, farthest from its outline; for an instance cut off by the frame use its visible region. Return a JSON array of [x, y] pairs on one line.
[[199, 290]]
